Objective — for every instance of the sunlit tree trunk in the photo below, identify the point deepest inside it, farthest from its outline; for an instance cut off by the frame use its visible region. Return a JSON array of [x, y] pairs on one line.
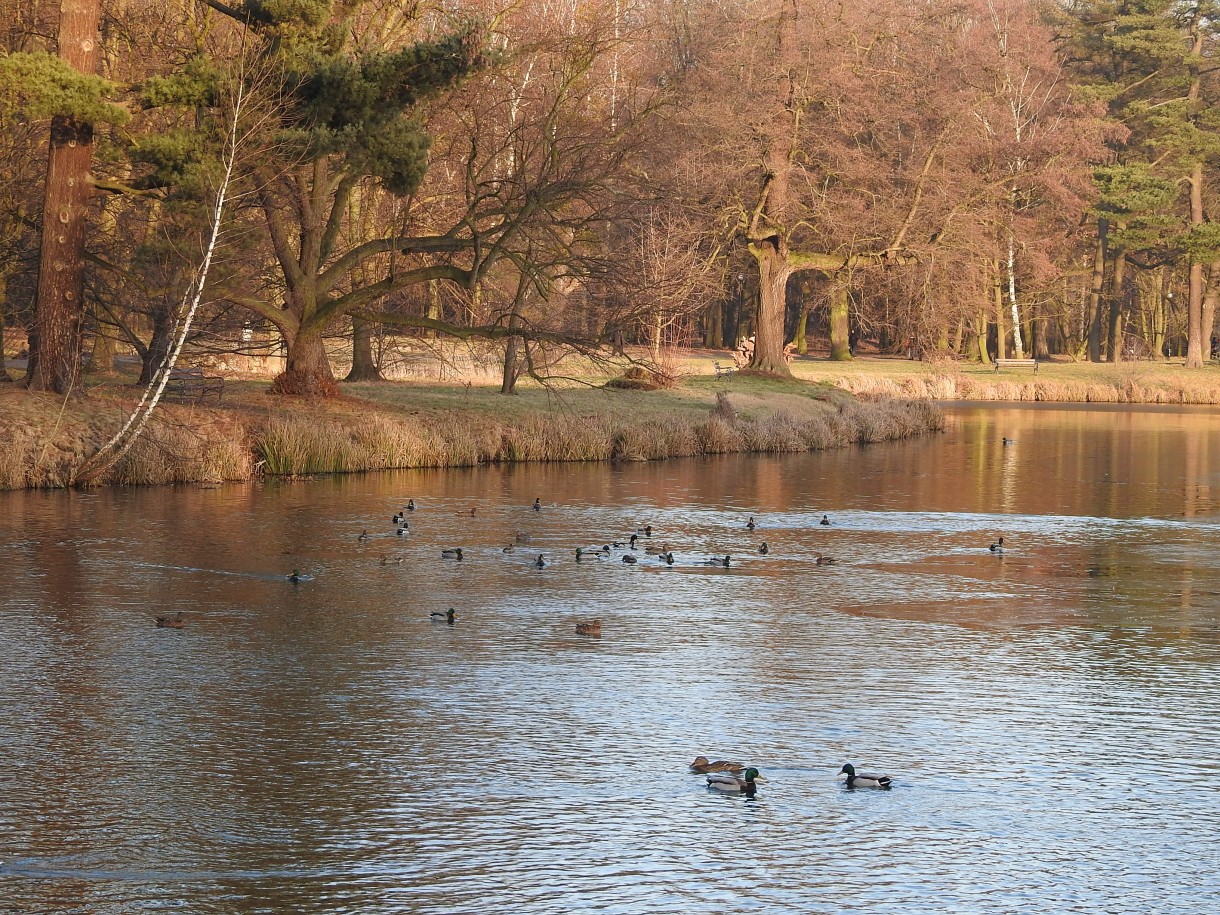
[[840, 322], [1114, 341], [1017, 344], [1095, 292], [61, 266]]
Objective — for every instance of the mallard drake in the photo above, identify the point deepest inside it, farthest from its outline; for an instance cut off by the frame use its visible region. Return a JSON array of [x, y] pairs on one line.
[[629, 559], [702, 766], [455, 553], [397, 517], [764, 549], [825, 521], [364, 535], [646, 530], [724, 563], [540, 562], [863, 779], [998, 546], [631, 541], [508, 549], [1008, 441], [410, 505], [669, 559], [825, 560], [171, 622], [402, 531], [750, 525], [295, 576], [725, 781], [449, 616], [589, 627], [538, 505]]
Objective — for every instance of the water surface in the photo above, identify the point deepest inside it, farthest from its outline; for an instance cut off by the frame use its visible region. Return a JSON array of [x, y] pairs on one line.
[[1047, 714]]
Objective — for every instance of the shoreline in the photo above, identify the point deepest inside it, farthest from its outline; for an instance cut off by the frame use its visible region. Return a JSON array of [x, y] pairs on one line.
[[463, 422], [390, 426]]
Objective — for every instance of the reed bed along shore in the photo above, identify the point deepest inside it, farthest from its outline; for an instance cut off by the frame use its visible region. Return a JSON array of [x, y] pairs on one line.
[[1055, 382], [391, 426]]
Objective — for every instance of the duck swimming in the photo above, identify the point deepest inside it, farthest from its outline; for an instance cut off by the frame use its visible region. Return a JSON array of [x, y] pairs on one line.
[[629, 559], [702, 766], [538, 505], [410, 505], [725, 781], [171, 622], [998, 546], [669, 559], [364, 535], [449, 616], [540, 562], [750, 525], [508, 549], [825, 521], [718, 562], [295, 576], [764, 549], [631, 542], [402, 530], [386, 560], [863, 779], [589, 627], [455, 553], [825, 560]]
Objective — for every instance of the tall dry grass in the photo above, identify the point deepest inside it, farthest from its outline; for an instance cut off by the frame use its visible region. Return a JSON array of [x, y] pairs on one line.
[[212, 445], [1129, 385], [297, 446]]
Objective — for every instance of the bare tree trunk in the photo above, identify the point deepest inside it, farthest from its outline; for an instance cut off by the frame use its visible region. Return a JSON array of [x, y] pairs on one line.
[[4, 375], [997, 293], [61, 267], [1095, 291], [364, 366], [1114, 342], [1210, 299], [840, 322], [773, 275], [802, 344], [1017, 345], [308, 370], [1194, 305]]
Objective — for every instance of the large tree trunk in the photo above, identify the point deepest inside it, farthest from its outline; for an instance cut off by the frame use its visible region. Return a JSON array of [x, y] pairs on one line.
[[1210, 299], [773, 275], [364, 366], [308, 371], [840, 322], [61, 266], [1114, 339]]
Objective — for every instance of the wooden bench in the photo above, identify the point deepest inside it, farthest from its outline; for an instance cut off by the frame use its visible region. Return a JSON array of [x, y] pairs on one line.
[[1015, 363], [723, 371], [187, 383]]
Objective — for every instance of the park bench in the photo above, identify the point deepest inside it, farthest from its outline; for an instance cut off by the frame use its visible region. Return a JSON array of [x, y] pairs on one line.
[[723, 371], [190, 384], [1015, 363]]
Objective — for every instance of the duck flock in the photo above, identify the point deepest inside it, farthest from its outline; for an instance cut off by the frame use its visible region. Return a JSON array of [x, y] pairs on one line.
[[722, 775]]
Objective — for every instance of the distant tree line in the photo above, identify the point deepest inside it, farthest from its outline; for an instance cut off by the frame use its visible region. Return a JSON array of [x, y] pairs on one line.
[[954, 178]]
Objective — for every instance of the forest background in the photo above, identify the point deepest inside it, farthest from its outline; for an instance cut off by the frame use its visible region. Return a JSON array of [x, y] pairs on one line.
[[965, 179]]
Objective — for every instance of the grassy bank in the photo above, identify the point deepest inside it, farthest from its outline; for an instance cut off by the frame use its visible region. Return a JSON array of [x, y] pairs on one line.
[[396, 425], [1056, 381]]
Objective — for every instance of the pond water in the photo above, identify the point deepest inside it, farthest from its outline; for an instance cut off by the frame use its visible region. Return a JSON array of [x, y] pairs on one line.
[[1048, 714]]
